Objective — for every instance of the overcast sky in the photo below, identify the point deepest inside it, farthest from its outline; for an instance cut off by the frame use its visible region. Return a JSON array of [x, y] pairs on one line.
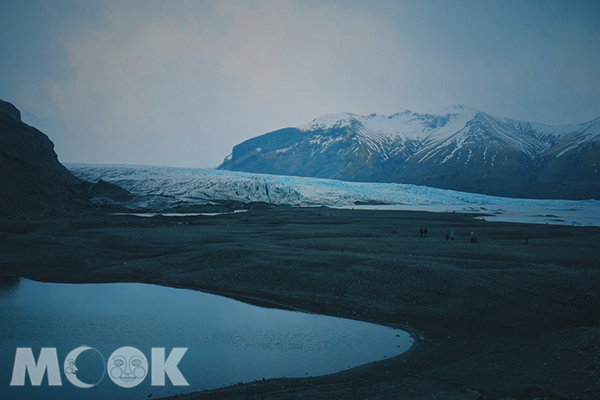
[[180, 83]]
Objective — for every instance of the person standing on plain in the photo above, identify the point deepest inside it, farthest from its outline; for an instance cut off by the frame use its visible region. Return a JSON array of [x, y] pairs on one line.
[[452, 235]]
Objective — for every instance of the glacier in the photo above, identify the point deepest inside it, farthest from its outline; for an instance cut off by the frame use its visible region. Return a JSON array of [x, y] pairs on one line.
[[161, 188]]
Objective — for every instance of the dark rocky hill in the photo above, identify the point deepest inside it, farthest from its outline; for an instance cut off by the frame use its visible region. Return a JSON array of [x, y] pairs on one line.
[[32, 180]]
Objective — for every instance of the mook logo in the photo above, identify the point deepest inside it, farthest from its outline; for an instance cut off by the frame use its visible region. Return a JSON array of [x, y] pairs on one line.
[[126, 367]]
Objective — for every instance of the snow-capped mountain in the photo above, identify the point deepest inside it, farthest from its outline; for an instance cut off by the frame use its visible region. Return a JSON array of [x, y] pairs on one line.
[[460, 148]]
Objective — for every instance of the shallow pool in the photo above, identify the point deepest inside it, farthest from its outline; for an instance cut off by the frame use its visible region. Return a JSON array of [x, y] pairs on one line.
[[227, 341]]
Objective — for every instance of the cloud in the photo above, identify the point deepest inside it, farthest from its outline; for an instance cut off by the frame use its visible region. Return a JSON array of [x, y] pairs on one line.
[[180, 83], [139, 83], [183, 81], [310, 53]]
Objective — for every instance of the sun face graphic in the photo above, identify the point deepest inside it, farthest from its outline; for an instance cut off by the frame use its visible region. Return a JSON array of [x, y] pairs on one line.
[[127, 367]]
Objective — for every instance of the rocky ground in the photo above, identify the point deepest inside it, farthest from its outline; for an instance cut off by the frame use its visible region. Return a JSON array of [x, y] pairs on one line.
[[493, 320]]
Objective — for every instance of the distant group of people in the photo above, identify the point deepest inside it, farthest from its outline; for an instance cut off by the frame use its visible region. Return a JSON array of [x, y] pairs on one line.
[[450, 235]]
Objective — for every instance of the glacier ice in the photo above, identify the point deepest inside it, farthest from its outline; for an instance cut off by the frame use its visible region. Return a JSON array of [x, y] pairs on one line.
[[165, 187]]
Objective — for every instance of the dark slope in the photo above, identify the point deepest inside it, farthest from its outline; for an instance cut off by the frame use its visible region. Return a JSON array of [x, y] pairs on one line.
[[32, 180]]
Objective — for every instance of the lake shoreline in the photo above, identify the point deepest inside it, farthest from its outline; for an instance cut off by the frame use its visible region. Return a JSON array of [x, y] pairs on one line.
[[492, 319]]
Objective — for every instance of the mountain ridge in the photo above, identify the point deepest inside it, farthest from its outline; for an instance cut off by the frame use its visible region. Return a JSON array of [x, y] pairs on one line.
[[33, 182], [461, 148]]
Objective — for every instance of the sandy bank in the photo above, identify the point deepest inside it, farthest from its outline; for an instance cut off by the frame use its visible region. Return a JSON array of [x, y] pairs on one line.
[[495, 319]]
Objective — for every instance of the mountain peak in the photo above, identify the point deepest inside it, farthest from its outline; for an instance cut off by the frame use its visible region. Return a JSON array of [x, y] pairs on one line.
[[329, 121], [10, 109], [407, 125], [459, 148], [456, 113]]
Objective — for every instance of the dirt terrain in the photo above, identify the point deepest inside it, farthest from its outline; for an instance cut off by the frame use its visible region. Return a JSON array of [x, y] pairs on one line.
[[496, 319]]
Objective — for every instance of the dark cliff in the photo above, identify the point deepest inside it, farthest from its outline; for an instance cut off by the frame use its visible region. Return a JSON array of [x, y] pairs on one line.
[[32, 180]]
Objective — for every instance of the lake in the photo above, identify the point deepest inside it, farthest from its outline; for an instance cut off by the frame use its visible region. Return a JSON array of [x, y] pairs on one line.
[[227, 341]]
